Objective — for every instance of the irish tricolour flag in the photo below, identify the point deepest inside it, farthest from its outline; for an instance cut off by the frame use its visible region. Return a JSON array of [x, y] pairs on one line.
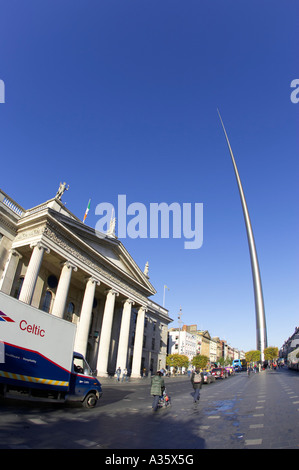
[[87, 210]]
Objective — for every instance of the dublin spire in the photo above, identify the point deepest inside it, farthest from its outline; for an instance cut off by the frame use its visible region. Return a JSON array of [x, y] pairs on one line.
[[261, 332]]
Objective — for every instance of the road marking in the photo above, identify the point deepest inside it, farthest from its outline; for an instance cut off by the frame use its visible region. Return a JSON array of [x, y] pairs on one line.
[[79, 420], [213, 417], [261, 401], [40, 421], [295, 402], [254, 426], [253, 442], [258, 414], [258, 407]]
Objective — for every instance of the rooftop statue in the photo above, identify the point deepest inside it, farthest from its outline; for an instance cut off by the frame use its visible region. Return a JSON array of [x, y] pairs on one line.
[[62, 188]]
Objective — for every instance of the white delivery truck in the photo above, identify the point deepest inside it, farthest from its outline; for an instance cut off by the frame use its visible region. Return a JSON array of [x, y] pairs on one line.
[[37, 357], [293, 359]]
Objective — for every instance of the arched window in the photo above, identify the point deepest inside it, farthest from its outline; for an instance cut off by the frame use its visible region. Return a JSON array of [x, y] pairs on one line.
[[70, 311], [47, 302]]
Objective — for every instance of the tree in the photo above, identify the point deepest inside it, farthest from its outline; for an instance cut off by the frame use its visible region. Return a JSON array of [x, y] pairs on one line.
[[200, 361], [224, 361], [253, 356], [177, 360], [271, 353], [221, 361]]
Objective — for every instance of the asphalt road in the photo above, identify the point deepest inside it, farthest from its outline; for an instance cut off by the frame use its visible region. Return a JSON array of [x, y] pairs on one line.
[[240, 412]]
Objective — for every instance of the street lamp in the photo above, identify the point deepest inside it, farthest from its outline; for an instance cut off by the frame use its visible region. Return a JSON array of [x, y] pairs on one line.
[[180, 322]]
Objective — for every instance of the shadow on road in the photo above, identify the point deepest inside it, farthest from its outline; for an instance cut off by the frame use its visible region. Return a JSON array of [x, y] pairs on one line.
[[72, 428]]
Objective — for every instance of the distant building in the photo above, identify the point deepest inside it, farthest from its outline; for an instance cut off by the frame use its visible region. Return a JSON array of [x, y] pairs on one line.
[[205, 338], [290, 344], [213, 348], [181, 342]]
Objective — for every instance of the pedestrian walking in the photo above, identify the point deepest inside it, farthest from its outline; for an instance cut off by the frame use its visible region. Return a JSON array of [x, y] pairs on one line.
[[125, 375], [157, 388], [197, 381], [118, 372]]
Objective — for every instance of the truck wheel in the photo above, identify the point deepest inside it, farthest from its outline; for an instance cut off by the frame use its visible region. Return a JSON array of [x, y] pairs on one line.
[[90, 400]]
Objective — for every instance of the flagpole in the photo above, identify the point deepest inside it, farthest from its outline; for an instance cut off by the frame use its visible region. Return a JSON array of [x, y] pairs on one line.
[[164, 294], [261, 332]]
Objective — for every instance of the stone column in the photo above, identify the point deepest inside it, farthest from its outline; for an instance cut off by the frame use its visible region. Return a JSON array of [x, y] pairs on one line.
[[62, 289], [85, 316], [9, 272], [138, 343], [31, 275], [104, 345], [122, 352]]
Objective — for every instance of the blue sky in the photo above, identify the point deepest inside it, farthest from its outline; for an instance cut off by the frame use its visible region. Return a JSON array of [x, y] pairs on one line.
[[121, 96]]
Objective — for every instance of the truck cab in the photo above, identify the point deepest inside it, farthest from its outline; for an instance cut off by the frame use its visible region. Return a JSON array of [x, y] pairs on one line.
[[84, 386]]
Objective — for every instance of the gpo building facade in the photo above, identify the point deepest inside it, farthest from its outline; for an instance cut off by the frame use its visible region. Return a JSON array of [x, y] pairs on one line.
[[54, 262]]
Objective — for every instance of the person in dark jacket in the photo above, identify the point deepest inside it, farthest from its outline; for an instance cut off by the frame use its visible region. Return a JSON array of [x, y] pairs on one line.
[[197, 381], [157, 387]]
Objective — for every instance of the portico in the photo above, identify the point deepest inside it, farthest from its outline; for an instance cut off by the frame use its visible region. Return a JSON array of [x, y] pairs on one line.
[[58, 264]]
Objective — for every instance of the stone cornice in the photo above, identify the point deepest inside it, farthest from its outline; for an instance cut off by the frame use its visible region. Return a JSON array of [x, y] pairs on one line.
[[7, 221]]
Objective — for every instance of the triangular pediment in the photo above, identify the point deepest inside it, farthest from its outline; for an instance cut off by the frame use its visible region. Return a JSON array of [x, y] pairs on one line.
[[108, 248], [205, 334]]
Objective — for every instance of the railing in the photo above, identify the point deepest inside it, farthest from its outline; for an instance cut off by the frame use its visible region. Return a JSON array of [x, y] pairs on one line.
[[11, 204]]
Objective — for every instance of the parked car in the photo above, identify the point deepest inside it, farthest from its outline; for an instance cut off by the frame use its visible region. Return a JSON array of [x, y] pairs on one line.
[[208, 377], [220, 373]]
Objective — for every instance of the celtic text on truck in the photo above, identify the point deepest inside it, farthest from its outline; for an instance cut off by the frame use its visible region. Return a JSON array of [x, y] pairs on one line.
[[34, 329]]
